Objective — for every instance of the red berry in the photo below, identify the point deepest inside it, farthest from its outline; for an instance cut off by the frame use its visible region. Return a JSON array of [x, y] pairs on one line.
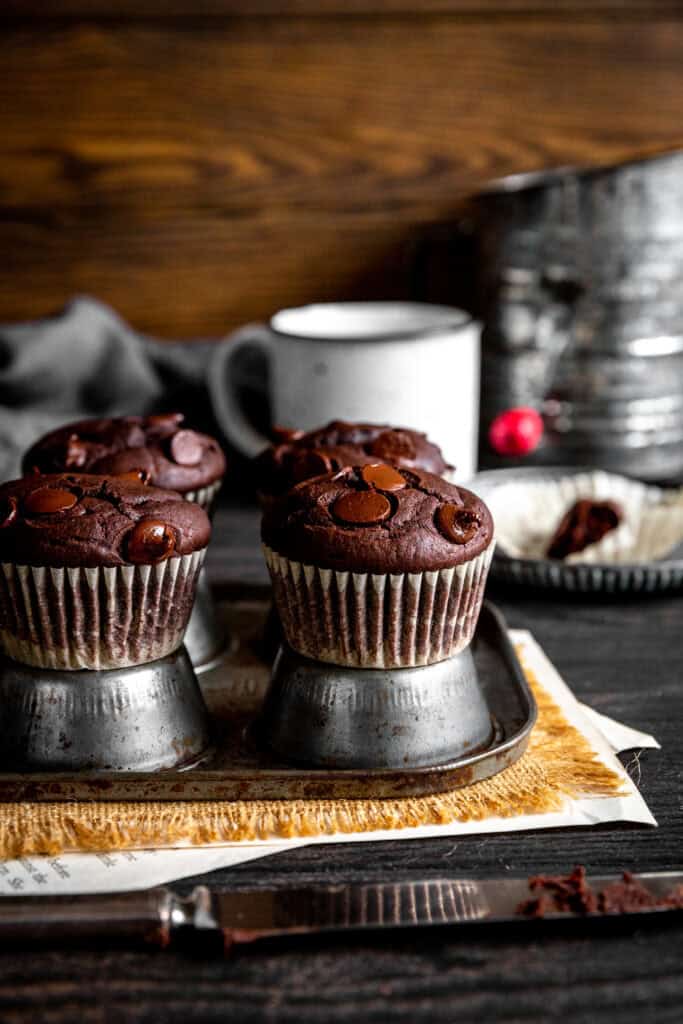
[[516, 431]]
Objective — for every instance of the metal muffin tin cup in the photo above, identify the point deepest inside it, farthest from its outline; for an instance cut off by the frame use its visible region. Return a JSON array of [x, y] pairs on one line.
[[144, 718], [333, 716]]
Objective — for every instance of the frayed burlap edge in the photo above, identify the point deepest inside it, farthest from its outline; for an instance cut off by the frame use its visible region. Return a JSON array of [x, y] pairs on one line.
[[559, 764]]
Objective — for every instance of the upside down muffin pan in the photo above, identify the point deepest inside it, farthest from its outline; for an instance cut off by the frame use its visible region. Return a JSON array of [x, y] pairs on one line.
[[237, 768]]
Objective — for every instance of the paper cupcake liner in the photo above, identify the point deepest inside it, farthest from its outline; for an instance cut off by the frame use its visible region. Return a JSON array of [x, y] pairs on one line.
[[96, 618], [527, 513], [378, 620], [204, 496]]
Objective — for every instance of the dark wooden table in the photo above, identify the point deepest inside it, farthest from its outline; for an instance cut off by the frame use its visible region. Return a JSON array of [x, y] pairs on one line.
[[624, 658]]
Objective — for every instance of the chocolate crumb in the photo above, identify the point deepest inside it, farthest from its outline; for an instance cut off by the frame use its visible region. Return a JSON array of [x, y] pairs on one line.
[[585, 523], [560, 894], [572, 894]]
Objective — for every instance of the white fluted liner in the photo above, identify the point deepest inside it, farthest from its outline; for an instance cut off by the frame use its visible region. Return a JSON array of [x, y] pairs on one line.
[[527, 513], [96, 618], [204, 496], [378, 620]]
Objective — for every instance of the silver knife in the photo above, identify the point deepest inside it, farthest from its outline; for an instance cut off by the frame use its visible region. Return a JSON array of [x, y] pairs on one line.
[[157, 916]]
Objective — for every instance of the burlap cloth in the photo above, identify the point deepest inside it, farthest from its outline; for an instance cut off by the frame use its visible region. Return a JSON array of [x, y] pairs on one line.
[[558, 764]]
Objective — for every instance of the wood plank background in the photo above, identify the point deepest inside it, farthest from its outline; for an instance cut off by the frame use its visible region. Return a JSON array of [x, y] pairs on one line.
[[202, 164]]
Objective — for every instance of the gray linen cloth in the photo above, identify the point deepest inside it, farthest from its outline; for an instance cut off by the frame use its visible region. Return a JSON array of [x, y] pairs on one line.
[[86, 361]]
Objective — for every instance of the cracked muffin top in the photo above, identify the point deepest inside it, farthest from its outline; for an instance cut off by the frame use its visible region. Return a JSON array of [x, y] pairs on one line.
[[299, 456], [378, 518], [167, 453], [78, 520]]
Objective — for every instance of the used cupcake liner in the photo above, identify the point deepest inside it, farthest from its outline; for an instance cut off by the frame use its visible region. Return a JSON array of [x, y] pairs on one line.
[[378, 620], [527, 513], [96, 618]]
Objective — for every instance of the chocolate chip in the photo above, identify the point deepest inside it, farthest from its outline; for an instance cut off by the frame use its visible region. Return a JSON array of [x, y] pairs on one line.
[[362, 508], [135, 476], [383, 477], [76, 453], [311, 463], [47, 500], [186, 448], [394, 444], [8, 511], [164, 424], [459, 525], [150, 541]]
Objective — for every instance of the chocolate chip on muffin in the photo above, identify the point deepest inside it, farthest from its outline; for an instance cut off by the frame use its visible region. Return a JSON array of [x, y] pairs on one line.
[[404, 529], [297, 456], [456, 523], [159, 448], [71, 520], [377, 566], [96, 572]]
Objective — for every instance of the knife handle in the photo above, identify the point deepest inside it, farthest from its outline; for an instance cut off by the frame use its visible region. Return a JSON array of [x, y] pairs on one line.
[[148, 916]]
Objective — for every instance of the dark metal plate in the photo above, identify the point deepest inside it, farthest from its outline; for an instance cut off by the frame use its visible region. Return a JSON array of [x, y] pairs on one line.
[[238, 770]]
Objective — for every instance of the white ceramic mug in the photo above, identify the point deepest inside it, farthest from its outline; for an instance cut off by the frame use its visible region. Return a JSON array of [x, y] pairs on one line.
[[402, 363]]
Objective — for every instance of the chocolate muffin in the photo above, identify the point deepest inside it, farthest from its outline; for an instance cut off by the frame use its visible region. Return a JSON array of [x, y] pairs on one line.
[[378, 567], [298, 456], [97, 572], [160, 448]]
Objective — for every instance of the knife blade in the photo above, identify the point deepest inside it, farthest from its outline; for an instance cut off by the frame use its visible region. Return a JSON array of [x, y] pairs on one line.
[[158, 915]]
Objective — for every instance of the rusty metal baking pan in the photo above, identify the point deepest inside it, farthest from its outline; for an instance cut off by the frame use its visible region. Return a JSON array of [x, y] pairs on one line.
[[237, 769]]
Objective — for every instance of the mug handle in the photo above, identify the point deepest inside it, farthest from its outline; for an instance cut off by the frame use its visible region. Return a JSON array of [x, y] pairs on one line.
[[226, 407]]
